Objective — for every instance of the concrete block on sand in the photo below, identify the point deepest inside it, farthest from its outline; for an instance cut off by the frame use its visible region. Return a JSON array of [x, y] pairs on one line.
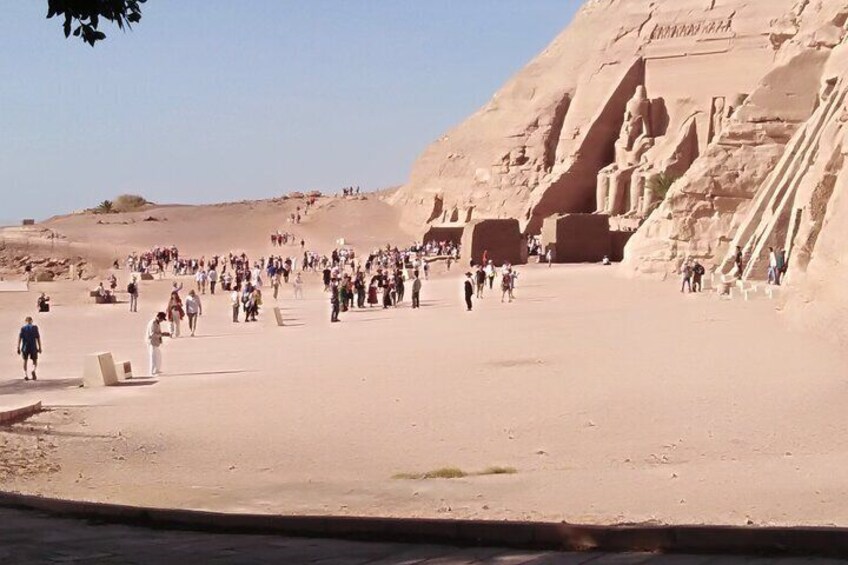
[[124, 370], [14, 286], [99, 370], [278, 315]]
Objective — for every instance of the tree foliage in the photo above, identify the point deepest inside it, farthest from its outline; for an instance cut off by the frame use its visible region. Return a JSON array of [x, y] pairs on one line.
[[86, 15], [105, 207]]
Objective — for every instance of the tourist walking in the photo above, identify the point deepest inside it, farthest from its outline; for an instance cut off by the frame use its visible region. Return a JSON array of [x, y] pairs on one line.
[[175, 313], [275, 284], [212, 275], [154, 342], [29, 347], [490, 273], [132, 290], [298, 286], [235, 301], [738, 261], [698, 273], [469, 291], [782, 264], [506, 284], [200, 278], [193, 308], [335, 302], [416, 292], [773, 271], [686, 276], [480, 276]]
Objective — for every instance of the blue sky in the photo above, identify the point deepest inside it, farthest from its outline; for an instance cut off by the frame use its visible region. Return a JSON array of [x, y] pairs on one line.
[[210, 101]]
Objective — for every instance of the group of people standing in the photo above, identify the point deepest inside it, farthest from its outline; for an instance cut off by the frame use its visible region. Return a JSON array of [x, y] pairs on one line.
[[178, 309], [692, 275], [349, 290], [485, 275], [280, 239]]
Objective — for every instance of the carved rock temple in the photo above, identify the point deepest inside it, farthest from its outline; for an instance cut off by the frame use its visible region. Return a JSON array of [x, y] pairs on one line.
[[694, 125]]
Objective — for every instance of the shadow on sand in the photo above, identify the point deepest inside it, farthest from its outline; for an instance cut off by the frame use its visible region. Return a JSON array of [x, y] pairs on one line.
[[20, 385]]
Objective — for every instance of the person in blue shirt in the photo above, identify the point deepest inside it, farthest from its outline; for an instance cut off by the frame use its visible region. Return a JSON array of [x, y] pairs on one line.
[[29, 346]]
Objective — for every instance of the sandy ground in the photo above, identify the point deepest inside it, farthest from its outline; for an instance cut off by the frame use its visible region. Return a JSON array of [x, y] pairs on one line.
[[614, 400], [365, 223]]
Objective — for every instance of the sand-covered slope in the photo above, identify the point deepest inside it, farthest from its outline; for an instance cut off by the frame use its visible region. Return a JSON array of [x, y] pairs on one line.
[[365, 222]]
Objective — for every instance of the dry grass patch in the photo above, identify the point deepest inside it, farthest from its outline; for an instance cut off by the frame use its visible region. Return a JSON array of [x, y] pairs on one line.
[[496, 470], [443, 473], [454, 473]]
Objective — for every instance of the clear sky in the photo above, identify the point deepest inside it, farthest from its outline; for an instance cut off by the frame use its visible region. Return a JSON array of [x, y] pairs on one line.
[[216, 100]]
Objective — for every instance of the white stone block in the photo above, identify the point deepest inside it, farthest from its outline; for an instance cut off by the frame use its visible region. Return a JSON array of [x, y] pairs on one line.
[[99, 370], [124, 370]]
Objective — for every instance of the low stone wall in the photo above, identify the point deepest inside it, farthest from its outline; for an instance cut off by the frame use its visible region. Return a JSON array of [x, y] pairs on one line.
[[10, 416]]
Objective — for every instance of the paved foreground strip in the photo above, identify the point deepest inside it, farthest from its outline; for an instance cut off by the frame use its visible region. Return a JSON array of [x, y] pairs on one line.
[[35, 529], [34, 537]]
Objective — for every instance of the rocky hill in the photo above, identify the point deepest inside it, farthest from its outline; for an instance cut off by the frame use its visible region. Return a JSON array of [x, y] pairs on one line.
[[739, 105]]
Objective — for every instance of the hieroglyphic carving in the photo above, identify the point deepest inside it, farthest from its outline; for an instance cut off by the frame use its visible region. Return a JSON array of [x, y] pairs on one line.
[[705, 27]]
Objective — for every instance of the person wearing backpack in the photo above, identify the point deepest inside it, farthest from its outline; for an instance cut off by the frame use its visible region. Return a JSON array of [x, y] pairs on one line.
[[698, 272], [132, 290]]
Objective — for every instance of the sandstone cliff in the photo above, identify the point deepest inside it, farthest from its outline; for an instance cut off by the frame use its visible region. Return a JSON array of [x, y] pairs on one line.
[[538, 147], [742, 103], [748, 188]]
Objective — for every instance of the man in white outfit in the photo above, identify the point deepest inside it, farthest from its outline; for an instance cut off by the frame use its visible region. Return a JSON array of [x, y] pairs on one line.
[[193, 308], [154, 342]]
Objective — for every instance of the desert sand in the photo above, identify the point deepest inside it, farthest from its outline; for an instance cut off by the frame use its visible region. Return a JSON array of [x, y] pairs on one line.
[[688, 127], [613, 400]]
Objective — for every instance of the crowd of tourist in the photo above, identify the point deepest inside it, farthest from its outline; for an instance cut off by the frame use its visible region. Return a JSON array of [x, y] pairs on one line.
[[280, 239], [159, 257], [386, 278]]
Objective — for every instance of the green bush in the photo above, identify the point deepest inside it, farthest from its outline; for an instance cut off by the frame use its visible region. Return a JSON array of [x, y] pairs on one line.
[[661, 184], [105, 207]]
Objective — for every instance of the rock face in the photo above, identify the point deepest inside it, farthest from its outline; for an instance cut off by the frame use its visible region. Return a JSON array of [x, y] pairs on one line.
[[739, 105], [632, 89], [766, 179]]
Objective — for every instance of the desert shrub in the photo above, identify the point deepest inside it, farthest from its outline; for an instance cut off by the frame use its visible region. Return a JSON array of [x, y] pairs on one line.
[[129, 203], [661, 184], [105, 207]]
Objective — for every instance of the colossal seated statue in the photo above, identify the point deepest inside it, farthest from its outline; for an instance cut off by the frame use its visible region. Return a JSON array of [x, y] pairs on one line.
[[634, 140]]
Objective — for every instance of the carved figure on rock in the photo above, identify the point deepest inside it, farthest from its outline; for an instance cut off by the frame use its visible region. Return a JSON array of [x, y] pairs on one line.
[[717, 118], [676, 155], [634, 140]]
